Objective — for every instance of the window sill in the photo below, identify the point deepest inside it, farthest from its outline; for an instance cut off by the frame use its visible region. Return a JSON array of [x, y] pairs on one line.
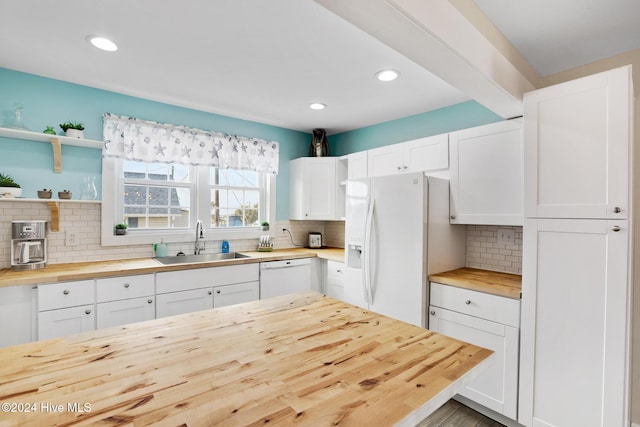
[[142, 237]]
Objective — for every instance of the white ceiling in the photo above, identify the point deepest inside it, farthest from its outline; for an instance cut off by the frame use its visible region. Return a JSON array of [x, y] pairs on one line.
[[266, 61]]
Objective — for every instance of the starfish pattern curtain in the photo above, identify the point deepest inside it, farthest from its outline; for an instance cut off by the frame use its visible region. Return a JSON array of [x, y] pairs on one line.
[[135, 139]]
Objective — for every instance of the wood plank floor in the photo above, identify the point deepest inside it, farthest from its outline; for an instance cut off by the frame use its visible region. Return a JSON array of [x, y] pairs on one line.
[[455, 414]]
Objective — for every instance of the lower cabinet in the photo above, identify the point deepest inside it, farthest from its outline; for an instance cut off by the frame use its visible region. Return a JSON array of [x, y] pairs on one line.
[[17, 310], [66, 308], [180, 292], [334, 279], [123, 300], [489, 321]]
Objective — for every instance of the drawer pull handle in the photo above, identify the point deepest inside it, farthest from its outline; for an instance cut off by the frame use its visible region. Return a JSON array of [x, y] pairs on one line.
[[432, 312], [66, 292], [149, 300], [87, 311], [615, 228], [467, 301], [126, 285]]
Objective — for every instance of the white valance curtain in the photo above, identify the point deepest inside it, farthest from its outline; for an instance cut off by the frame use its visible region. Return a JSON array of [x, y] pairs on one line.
[[135, 139]]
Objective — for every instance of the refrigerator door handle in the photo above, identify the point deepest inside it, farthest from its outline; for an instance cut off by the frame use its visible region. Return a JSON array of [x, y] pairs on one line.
[[368, 249]]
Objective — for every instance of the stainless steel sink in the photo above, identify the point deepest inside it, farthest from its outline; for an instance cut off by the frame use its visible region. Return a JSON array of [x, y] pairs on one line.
[[186, 259]]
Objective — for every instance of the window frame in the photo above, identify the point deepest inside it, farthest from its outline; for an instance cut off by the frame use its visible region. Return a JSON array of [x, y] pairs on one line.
[[112, 206]]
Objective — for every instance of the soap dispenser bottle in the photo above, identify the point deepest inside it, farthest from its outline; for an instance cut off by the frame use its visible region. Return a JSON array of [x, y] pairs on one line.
[[225, 247], [161, 249]]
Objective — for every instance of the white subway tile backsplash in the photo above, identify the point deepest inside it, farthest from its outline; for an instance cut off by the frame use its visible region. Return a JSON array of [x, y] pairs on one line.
[[484, 252]]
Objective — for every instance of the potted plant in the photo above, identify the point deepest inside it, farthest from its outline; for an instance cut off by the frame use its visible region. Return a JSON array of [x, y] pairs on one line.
[[8, 187], [264, 226], [120, 229], [73, 129]]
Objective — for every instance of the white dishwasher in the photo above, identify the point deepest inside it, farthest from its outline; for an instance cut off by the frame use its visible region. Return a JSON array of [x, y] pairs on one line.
[[284, 277]]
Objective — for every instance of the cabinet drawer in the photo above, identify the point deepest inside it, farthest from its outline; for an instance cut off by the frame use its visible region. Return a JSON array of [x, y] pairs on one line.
[[478, 304], [335, 270], [174, 281], [118, 288], [65, 294]]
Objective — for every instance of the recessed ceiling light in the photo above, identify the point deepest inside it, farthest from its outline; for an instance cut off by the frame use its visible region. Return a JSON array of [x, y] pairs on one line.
[[387, 75], [102, 43], [317, 106]]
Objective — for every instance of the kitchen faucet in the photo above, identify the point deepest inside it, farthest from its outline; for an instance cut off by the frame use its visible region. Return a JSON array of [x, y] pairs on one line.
[[199, 235]]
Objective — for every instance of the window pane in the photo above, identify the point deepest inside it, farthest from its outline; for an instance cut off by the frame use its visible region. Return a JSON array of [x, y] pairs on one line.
[[135, 195], [235, 198]]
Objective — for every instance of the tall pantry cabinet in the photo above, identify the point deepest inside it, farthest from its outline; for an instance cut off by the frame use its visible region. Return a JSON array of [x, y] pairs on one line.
[[575, 346]]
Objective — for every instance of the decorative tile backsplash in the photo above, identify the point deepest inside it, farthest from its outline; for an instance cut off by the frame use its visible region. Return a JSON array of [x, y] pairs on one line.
[[84, 219], [483, 250]]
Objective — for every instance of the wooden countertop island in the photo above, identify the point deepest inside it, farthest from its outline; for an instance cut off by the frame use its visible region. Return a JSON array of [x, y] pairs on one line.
[[299, 359]]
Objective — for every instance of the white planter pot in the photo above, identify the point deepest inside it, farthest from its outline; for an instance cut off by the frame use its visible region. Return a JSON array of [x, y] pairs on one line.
[[10, 192], [74, 133]]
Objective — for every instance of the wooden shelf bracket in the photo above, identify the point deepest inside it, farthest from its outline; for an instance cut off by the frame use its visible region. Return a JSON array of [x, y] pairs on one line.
[[57, 155], [55, 216]]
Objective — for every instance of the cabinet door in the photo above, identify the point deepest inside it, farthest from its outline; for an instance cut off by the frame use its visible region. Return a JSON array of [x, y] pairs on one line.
[[574, 323], [16, 309], [497, 387], [577, 145], [183, 302], [66, 321], [116, 313], [357, 164], [320, 188], [385, 161], [487, 174], [236, 294], [335, 280], [426, 154]]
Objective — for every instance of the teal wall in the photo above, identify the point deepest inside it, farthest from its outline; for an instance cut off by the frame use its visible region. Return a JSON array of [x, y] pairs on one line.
[[459, 116], [48, 102]]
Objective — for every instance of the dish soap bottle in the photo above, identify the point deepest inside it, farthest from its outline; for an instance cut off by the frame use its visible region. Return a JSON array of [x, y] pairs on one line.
[[225, 247], [161, 249]]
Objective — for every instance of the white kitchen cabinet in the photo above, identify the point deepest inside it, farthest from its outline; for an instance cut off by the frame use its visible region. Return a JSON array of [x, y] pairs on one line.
[[125, 299], [357, 165], [173, 303], [314, 191], [576, 139], [185, 291], [486, 172], [66, 321], [65, 308], [17, 309], [334, 279], [575, 325], [489, 321], [116, 313], [236, 294], [420, 155]]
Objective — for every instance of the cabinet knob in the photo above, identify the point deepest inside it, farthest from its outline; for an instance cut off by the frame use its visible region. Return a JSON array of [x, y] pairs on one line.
[[210, 293], [399, 168], [617, 209], [615, 228], [218, 291], [452, 217], [126, 285], [432, 312], [87, 311], [66, 292], [404, 167], [467, 302], [338, 271]]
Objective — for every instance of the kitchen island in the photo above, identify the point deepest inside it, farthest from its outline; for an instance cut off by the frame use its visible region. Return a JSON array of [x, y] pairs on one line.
[[303, 359]]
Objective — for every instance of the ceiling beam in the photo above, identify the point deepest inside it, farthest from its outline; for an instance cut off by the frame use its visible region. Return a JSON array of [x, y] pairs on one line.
[[435, 35]]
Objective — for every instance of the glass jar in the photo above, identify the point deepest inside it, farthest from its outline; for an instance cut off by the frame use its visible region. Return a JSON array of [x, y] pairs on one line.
[[88, 191]]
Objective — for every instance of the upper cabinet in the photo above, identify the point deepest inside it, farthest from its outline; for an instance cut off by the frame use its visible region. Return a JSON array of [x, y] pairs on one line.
[[486, 174], [420, 155], [578, 134], [314, 189], [357, 165]]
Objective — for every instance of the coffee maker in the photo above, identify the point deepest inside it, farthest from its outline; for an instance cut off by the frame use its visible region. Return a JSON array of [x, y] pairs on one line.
[[28, 245]]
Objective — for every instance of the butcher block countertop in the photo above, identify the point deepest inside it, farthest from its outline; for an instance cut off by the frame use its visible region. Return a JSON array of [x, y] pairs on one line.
[[299, 359], [98, 269], [492, 282]]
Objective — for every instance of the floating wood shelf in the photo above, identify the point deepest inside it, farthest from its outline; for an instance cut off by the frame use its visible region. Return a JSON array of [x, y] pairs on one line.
[[56, 142]]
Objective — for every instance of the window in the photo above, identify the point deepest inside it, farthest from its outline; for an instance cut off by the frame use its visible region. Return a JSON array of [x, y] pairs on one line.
[[159, 200]]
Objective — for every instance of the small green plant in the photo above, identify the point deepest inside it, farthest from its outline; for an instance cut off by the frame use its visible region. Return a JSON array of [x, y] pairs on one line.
[[71, 125], [264, 224], [121, 226], [7, 181]]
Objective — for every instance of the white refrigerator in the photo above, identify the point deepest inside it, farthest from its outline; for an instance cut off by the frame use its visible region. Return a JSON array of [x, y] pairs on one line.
[[397, 232]]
